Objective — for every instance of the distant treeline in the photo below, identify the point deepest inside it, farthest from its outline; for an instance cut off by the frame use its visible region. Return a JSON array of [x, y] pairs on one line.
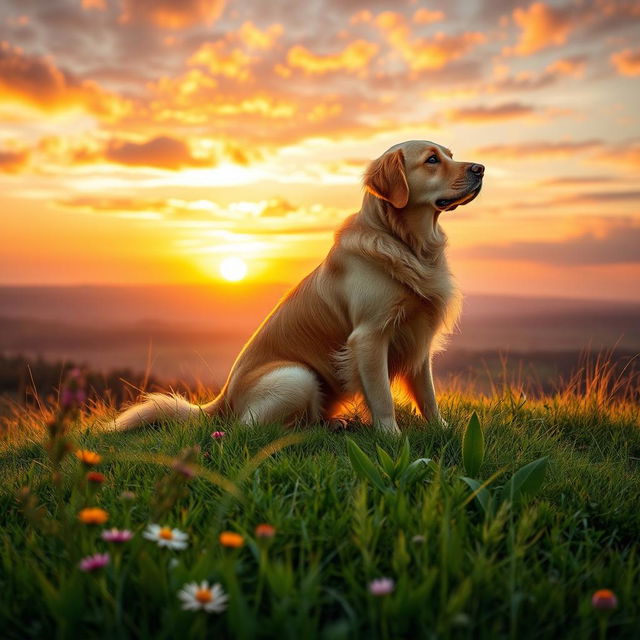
[[33, 380]]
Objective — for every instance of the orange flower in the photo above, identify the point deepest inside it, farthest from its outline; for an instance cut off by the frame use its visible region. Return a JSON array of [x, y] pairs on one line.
[[231, 539], [93, 515], [87, 457], [265, 531], [95, 478], [604, 600]]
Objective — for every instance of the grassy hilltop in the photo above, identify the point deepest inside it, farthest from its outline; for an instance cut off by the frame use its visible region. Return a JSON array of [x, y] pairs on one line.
[[465, 564]]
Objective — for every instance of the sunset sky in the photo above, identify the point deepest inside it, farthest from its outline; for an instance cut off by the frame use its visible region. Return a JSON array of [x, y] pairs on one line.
[[145, 141]]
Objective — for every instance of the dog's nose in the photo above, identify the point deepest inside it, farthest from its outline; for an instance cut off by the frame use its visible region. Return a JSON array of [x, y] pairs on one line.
[[478, 169]]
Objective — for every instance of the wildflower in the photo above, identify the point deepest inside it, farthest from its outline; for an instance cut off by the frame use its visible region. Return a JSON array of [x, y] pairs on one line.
[[604, 600], [117, 535], [211, 599], [94, 562], [73, 394], [265, 531], [381, 586], [93, 515], [217, 435], [418, 539], [94, 477], [231, 539], [89, 458], [127, 495], [166, 537], [183, 469]]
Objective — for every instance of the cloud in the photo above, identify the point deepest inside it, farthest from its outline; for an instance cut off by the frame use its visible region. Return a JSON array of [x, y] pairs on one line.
[[171, 14], [220, 62], [617, 244], [256, 38], [356, 56], [235, 54], [425, 53], [38, 83], [627, 62], [480, 113], [13, 161], [425, 16], [98, 5], [276, 216], [539, 149], [541, 26], [624, 153], [562, 181], [162, 152], [562, 68]]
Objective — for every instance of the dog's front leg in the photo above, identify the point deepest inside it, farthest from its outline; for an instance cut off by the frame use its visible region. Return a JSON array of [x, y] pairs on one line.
[[369, 349], [421, 386]]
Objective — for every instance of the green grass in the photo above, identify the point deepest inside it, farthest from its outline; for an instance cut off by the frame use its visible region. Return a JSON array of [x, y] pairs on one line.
[[519, 571]]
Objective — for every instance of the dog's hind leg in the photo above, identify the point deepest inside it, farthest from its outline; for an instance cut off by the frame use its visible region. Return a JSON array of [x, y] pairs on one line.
[[285, 394]]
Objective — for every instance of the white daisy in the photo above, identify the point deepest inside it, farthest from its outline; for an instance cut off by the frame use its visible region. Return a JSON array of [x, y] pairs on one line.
[[166, 537], [196, 596]]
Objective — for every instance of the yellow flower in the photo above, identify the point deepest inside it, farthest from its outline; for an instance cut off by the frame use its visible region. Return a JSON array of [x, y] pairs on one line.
[[87, 457], [93, 515], [231, 539]]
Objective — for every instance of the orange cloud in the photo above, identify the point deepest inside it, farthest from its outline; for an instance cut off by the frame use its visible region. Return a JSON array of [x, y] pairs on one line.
[[488, 114], [13, 161], [218, 61], [354, 57], [541, 26], [625, 153], [567, 66], [619, 243], [255, 38], [37, 82], [626, 62], [425, 16], [530, 80], [170, 14], [161, 152], [425, 53], [539, 150], [99, 5]]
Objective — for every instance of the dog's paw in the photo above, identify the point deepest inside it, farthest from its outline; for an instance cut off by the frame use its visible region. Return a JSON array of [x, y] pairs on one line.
[[338, 424]]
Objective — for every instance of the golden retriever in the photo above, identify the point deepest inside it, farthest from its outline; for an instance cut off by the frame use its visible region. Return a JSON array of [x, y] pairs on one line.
[[372, 311]]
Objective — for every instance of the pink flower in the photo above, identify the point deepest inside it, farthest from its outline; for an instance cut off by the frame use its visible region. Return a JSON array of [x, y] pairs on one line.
[[117, 535], [183, 469], [381, 586], [94, 562], [217, 435]]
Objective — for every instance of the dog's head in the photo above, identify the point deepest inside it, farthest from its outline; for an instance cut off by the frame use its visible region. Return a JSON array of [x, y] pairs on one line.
[[420, 173]]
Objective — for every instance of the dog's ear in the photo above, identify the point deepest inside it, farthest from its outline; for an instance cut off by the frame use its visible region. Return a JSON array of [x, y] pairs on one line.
[[385, 178]]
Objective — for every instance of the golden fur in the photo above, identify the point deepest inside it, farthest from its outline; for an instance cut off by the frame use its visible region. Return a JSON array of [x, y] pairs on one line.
[[372, 312]]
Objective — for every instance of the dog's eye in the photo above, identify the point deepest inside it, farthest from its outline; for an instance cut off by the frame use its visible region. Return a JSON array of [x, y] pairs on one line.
[[432, 159]]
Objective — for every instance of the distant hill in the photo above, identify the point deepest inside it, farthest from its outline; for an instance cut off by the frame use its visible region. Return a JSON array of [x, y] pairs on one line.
[[195, 332]]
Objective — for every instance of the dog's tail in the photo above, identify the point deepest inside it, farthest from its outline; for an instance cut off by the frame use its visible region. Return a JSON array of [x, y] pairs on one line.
[[156, 406]]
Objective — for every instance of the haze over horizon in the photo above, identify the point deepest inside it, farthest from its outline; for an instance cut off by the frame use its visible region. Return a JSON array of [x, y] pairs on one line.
[[149, 141]]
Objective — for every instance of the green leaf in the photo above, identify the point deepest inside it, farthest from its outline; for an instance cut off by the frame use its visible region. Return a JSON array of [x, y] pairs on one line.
[[473, 446], [482, 494], [414, 470], [363, 466], [527, 480], [403, 460], [385, 461]]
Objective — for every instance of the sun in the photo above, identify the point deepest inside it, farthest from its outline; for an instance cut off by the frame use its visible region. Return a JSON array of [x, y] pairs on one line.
[[233, 269]]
